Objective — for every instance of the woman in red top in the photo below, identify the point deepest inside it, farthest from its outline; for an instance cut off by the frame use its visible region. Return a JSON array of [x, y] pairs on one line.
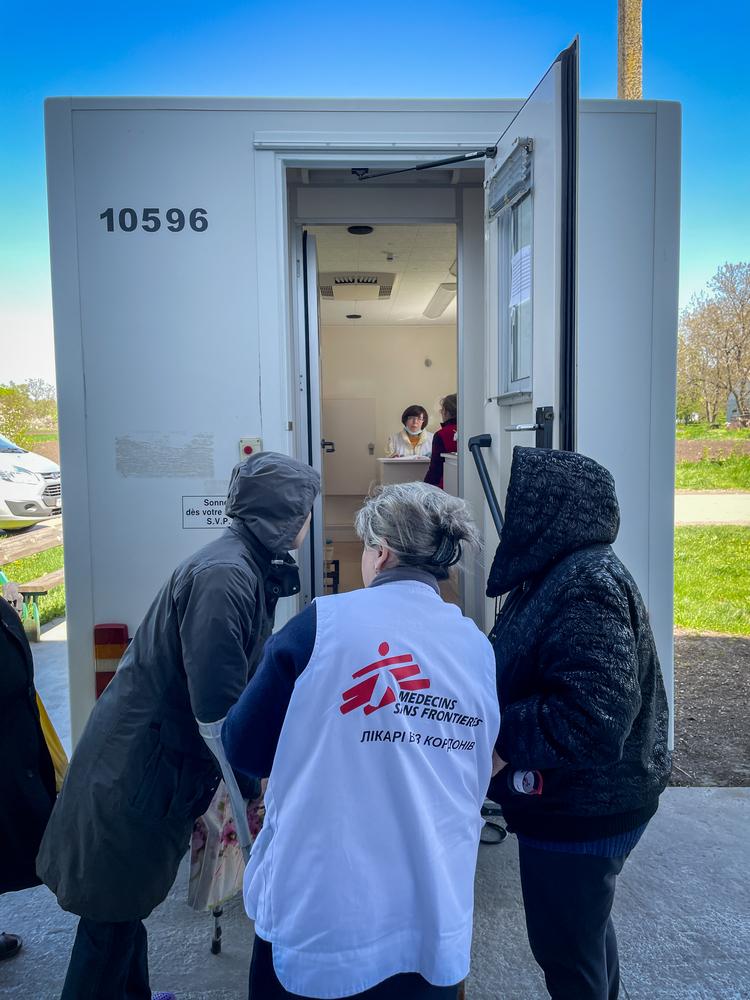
[[444, 440]]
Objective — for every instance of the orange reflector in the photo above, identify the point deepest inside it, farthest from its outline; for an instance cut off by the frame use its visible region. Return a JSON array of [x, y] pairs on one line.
[[110, 642]]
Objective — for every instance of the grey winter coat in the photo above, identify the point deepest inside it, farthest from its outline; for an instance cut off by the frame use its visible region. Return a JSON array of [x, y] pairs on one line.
[[580, 688], [141, 774]]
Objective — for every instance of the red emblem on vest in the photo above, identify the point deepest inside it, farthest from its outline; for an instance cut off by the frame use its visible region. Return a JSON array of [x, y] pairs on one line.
[[382, 681]]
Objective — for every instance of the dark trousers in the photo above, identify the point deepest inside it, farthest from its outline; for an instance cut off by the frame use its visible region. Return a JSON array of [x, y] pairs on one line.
[[568, 901], [109, 961], [265, 986]]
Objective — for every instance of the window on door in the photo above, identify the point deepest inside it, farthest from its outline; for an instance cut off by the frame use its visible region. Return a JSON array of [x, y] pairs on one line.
[[510, 203], [515, 260]]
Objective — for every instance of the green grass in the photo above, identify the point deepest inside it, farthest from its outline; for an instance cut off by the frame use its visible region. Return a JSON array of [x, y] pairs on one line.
[[49, 436], [23, 570], [728, 472], [712, 579], [708, 432]]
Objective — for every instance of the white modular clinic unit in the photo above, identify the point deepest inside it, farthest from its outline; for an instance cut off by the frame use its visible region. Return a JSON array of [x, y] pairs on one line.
[[180, 296]]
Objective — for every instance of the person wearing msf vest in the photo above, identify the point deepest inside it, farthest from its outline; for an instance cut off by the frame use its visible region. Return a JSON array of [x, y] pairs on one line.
[[584, 710], [141, 773], [375, 714]]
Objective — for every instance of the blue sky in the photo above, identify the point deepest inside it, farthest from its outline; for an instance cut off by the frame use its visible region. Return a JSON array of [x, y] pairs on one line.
[[693, 53]]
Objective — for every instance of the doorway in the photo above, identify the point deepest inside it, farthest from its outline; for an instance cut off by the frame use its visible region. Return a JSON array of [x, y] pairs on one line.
[[387, 341]]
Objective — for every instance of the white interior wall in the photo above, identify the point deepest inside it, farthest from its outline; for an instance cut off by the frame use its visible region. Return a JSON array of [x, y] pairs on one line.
[[388, 364]]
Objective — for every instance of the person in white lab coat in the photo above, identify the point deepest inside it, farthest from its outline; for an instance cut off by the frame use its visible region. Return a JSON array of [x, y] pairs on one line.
[[412, 441]]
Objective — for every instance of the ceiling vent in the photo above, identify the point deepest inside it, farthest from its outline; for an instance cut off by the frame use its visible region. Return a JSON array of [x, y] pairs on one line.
[[356, 286]]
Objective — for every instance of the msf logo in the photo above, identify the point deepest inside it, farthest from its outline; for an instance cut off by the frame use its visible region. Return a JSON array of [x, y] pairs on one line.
[[381, 682]]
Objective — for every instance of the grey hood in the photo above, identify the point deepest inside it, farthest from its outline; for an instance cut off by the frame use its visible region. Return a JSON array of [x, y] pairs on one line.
[[557, 502], [271, 495]]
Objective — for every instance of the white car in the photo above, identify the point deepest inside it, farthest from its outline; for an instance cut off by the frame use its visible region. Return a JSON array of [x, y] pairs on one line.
[[29, 487]]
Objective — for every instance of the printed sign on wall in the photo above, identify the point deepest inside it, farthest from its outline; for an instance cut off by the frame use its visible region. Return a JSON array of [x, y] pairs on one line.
[[204, 512]]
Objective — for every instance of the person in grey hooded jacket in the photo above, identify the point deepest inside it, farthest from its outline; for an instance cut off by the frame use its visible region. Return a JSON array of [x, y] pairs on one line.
[[141, 773]]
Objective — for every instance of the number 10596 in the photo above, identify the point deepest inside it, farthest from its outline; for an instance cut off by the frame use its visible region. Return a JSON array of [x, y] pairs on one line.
[[150, 220]]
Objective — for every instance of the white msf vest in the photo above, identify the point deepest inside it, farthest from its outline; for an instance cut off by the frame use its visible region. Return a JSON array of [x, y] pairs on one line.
[[365, 864]]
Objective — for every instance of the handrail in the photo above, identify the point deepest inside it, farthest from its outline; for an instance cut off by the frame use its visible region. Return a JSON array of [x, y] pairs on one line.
[[476, 444]]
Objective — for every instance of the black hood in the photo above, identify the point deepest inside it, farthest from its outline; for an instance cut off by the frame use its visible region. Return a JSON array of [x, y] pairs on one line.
[[271, 495], [557, 502]]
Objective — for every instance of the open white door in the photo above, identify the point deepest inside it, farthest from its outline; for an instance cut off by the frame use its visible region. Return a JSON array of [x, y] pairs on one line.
[[530, 230], [310, 385]]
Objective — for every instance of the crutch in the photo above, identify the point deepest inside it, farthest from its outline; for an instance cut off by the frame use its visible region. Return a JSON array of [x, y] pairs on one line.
[[211, 733]]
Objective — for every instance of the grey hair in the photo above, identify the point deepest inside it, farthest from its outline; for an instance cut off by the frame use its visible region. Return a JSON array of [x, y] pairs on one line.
[[422, 525]]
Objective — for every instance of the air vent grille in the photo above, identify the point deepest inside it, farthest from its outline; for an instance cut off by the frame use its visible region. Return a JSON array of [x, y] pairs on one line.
[[352, 286]]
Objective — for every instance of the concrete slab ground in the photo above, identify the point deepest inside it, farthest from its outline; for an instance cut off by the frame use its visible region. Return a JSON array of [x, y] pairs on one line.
[[51, 677], [682, 910], [712, 508]]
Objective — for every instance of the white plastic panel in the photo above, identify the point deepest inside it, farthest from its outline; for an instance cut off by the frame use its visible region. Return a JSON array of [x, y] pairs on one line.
[[162, 314], [627, 326], [190, 338]]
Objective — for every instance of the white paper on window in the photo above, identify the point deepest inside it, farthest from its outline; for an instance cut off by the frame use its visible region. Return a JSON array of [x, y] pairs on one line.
[[520, 276]]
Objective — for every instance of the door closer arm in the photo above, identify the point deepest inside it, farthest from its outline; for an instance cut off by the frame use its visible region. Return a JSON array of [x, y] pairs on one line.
[[363, 173]]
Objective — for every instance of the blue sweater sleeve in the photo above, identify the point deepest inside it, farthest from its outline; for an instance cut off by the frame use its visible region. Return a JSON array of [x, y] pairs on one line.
[[253, 725]]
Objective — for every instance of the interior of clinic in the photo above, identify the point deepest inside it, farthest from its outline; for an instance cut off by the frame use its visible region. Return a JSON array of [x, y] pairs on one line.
[[388, 341]]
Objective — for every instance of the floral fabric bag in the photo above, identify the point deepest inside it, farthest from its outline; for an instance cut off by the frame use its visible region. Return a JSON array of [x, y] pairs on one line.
[[216, 861]]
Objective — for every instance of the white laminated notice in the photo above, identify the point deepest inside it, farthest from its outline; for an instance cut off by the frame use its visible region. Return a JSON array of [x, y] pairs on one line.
[[205, 512], [520, 276]]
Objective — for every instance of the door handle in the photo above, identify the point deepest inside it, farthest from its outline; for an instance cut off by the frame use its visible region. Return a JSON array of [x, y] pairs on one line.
[[328, 446], [545, 416]]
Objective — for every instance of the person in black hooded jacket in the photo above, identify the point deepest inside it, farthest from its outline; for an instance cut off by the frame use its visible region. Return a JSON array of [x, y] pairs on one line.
[[27, 777], [583, 737]]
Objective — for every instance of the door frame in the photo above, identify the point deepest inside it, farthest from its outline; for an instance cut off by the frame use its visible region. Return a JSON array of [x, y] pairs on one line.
[[297, 292], [309, 419], [569, 72]]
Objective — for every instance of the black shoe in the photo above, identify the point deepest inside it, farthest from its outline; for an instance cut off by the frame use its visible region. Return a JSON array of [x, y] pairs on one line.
[[10, 945]]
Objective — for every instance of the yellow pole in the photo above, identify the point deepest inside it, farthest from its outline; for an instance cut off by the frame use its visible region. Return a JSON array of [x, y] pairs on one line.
[[629, 50]]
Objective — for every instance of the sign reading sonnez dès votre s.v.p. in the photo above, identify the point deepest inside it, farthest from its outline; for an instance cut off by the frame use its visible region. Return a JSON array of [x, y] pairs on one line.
[[204, 512]]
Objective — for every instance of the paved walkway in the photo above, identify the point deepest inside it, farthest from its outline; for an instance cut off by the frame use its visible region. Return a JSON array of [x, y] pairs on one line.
[[682, 909], [681, 912], [712, 508]]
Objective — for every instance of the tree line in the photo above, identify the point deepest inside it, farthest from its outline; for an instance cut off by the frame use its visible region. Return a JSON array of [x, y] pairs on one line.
[[713, 349], [26, 409], [713, 363]]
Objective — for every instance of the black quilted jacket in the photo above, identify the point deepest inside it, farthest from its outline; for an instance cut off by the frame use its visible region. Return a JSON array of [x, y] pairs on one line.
[[579, 682]]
